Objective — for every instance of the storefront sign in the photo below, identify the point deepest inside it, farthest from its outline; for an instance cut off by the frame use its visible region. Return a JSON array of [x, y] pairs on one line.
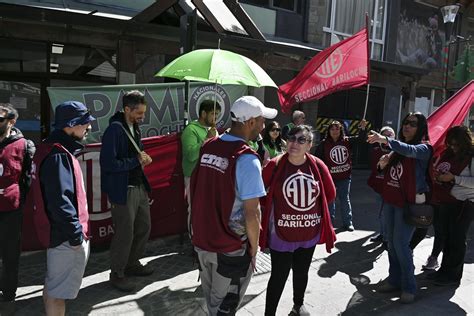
[[165, 110]]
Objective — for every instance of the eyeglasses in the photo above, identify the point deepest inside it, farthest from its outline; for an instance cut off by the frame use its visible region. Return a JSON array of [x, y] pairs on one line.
[[3, 119], [411, 123], [301, 140], [275, 130]]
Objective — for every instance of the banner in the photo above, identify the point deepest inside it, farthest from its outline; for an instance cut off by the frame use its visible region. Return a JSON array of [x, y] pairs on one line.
[[168, 207], [165, 110], [339, 67], [451, 113]]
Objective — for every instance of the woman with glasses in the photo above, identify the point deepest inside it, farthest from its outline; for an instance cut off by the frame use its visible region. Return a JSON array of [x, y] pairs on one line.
[[295, 216], [454, 183], [336, 152], [405, 181], [375, 180], [272, 140]]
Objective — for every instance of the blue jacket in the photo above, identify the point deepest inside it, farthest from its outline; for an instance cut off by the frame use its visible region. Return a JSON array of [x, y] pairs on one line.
[[59, 193], [422, 153], [116, 160]]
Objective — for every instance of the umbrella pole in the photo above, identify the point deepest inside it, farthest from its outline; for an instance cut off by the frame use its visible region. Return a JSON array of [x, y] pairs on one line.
[[215, 100]]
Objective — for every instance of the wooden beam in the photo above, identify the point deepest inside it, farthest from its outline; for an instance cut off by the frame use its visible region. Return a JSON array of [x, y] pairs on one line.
[[208, 15], [154, 10], [244, 19]]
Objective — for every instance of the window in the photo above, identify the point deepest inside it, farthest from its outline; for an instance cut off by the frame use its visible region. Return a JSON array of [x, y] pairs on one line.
[[284, 4], [290, 5], [347, 17]]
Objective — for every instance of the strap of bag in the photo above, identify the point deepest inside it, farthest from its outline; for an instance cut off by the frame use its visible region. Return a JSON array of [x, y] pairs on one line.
[[134, 143]]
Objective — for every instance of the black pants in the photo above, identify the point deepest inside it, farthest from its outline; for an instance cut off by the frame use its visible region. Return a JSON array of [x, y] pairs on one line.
[[439, 234], [282, 262], [456, 225], [10, 248]]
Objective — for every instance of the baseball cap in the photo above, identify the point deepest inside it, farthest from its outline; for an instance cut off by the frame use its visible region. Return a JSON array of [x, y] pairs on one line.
[[247, 107], [71, 113]]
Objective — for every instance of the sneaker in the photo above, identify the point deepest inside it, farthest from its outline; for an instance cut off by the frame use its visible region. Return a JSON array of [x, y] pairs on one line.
[[407, 298], [121, 283], [431, 264], [377, 238], [349, 228], [385, 287], [299, 311], [139, 270]]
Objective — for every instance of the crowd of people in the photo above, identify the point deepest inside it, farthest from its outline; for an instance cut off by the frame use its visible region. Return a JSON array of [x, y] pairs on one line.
[[254, 186]]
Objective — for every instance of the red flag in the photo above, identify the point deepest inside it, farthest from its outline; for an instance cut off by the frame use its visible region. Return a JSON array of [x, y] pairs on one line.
[[344, 65], [451, 113]]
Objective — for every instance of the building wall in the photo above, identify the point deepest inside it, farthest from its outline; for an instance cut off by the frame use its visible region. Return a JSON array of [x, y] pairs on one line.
[[317, 18]]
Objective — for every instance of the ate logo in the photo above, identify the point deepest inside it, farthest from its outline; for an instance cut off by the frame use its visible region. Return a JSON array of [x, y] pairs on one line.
[[301, 191], [331, 66], [396, 172], [339, 154], [444, 167]]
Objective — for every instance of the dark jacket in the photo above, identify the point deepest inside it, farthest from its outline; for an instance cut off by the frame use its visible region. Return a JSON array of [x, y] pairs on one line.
[[25, 178], [118, 159], [59, 193]]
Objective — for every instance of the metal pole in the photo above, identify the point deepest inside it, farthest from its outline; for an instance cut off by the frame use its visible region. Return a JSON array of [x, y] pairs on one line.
[[366, 101]]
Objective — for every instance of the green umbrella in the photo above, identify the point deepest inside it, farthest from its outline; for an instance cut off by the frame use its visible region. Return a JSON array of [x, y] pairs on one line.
[[217, 66]]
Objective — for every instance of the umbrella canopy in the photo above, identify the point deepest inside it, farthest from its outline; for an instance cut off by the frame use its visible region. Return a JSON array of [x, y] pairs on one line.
[[217, 66]]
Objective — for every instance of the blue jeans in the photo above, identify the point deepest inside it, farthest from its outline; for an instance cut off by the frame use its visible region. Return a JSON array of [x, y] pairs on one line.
[[343, 188], [401, 271], [379, 201]]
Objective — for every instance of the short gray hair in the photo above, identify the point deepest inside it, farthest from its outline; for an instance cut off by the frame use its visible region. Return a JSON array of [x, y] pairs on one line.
[[297, 114]]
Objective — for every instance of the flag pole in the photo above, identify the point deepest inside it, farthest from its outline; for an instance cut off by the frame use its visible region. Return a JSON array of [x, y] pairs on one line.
[[215, 91], [368, 64]]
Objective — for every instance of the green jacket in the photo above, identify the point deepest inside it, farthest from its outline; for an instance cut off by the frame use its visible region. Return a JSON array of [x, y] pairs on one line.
[[191, 140], [273, 152]]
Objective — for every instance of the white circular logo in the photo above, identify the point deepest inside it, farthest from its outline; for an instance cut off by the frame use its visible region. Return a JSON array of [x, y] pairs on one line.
[[396, 171], [331, 66], [339, 154], [1, 169], [209, 92], [444, 167], [301, 191]]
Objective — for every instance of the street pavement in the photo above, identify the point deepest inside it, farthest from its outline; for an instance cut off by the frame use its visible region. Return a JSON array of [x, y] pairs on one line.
[[340, 283]]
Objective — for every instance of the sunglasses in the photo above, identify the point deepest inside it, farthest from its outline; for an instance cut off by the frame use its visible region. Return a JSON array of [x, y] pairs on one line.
[[411, 123], [3, 119], [275, 130], [301, 140]]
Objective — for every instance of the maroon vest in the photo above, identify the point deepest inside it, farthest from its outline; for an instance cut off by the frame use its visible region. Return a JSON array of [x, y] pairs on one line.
[[375, 180], [40, 216], [11, 165], [337, 156], [297, 203], [442, 191], [213, 194], [398, 178]]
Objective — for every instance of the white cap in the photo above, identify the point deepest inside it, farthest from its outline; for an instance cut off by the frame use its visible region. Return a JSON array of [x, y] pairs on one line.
[[247, 107]]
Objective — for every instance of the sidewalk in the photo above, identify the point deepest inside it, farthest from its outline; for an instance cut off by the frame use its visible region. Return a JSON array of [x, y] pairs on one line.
[[340, 282]]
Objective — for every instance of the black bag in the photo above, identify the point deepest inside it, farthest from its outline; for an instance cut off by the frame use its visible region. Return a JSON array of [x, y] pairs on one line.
[[418, 215]]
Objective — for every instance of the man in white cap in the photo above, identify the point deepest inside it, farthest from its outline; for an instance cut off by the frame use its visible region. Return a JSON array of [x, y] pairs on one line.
[[225, 191]]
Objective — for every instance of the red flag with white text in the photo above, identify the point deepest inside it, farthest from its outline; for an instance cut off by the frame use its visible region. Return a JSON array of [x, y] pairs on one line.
[[342, 66], [451, 113]]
